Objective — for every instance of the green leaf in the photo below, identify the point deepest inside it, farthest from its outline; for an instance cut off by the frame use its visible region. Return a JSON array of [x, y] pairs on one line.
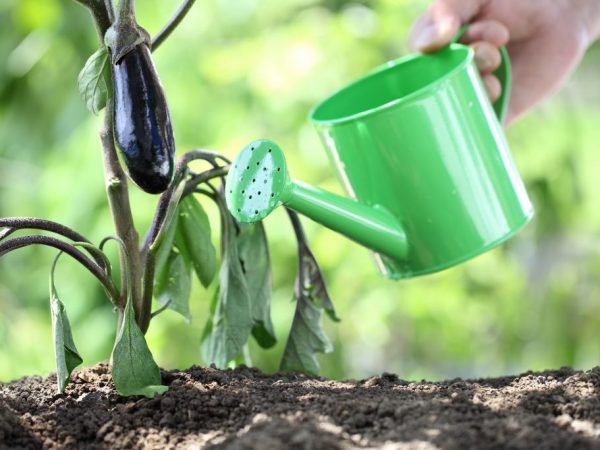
[[228, 330], [307, 337], [92, 82], [256, 265], [173, 285], [134, 371], [195, 231], [66, 354]]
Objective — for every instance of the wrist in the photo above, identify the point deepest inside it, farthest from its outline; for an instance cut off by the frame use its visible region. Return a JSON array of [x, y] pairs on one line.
[[589, 13]]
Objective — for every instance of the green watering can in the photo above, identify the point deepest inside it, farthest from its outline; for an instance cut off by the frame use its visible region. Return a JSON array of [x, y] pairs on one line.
[[422, 156]]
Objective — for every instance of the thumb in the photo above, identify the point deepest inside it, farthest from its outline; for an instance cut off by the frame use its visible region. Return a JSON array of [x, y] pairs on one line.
[[440, 23]]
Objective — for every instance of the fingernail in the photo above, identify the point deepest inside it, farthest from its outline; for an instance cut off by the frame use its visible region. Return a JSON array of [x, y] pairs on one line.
[[426, 38], [434, 34], [482, 60]]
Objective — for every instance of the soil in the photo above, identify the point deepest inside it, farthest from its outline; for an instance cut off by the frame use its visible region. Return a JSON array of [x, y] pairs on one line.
[[245, 409]]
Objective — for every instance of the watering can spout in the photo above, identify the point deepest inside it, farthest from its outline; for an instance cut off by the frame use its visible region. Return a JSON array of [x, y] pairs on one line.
[[258, 182]]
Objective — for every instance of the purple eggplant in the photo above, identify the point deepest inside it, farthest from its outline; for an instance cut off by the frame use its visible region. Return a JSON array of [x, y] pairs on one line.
[[142, 122]]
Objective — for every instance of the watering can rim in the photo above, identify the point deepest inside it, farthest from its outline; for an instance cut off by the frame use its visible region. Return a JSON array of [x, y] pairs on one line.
[[424, 90]]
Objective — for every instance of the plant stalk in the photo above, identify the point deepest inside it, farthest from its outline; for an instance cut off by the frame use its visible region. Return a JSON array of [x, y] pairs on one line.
[[116, 181], [118, 200]]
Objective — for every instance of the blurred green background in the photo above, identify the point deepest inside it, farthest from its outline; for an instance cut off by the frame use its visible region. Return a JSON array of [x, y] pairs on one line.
[[237, 70]]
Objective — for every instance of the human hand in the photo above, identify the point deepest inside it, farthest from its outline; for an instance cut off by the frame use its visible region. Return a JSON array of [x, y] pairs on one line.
[[546, 39]]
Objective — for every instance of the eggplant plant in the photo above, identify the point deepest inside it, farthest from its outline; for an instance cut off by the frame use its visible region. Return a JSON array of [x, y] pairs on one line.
[[120, 79]]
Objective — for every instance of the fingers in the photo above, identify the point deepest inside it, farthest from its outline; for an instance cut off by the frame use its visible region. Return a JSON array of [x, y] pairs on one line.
[[436, 28], [487, 57], [486, 37], [428, 36], [440, 23], [492, 86], [490, 31]]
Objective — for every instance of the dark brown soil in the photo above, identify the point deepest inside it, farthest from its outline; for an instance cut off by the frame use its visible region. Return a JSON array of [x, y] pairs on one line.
[[245, 409]]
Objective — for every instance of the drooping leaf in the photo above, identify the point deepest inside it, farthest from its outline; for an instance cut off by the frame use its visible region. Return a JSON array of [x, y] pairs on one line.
[[196, 233], [173, 285], [92, 82], [231, 324], [307, 337], [66, 354], [134, 371], [256, 266], [310, 279]]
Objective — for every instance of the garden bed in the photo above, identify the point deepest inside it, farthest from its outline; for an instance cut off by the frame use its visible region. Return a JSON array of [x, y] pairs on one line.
[[245, 409]]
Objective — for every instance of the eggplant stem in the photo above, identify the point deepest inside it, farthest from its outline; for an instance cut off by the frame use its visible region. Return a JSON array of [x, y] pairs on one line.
[[108, 4], [126, 11]]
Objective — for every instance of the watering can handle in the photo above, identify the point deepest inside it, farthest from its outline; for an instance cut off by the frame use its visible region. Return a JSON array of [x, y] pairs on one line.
[[504, 75]]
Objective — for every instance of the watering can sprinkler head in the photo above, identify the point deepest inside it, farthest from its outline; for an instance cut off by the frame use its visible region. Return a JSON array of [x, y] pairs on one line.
[[258, 182]]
